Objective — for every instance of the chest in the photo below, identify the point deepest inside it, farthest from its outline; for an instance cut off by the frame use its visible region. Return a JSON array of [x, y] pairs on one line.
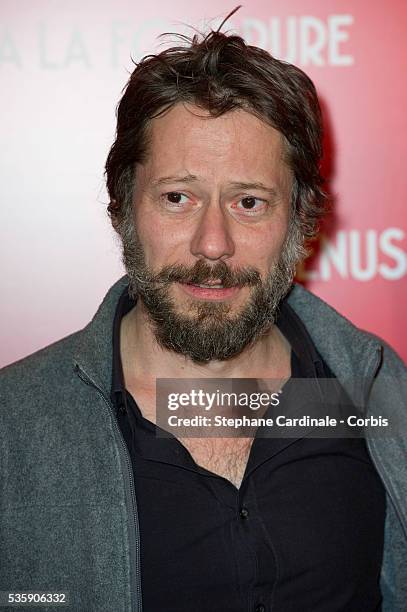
[[226, 457], [302, 510]]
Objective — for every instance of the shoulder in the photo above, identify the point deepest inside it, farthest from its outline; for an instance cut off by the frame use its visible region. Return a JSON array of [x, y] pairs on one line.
[[349, 350], [47, 369], [54, 366]]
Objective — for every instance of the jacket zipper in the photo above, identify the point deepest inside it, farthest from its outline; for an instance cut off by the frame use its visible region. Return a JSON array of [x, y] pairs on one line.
[[134, 535]]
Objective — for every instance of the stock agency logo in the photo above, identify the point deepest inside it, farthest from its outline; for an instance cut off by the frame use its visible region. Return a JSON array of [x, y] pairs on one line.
[[205, 408], [207, 400], [50, 44]]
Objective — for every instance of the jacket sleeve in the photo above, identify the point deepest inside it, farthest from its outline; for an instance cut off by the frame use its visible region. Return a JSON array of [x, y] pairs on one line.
[[388, 398]]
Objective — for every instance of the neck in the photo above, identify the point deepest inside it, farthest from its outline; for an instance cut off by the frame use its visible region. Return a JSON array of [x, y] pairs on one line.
[[144, 359]]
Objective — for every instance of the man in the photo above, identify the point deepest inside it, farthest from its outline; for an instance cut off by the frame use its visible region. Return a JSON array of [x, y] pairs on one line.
[[214, 184]]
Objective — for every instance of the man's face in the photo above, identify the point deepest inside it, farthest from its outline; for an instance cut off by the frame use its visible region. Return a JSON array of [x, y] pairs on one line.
[[211, 207]]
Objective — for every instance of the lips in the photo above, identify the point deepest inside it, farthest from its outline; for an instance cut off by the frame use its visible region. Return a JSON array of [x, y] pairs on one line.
[[209, 292]]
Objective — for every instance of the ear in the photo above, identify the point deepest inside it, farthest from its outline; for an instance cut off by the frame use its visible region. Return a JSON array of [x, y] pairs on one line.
[[113, 209]]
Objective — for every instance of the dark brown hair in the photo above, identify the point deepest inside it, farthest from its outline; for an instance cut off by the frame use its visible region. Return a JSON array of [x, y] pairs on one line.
[[219, 73]]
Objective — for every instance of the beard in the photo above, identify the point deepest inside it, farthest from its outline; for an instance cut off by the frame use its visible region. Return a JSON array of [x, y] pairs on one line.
[[208, 331]]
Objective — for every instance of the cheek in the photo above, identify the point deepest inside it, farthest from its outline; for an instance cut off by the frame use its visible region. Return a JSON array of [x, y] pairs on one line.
[[161, 246], [147, 238], [263, 246], [166, 238]]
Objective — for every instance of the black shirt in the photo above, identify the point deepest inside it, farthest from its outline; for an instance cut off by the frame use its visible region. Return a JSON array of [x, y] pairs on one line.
[[303, 533]]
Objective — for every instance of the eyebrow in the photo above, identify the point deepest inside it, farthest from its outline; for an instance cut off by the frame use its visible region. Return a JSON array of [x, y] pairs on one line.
[[191, 178], [188, 178]]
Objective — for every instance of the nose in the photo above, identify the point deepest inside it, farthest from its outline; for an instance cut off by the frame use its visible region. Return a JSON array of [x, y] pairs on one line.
[[212, 238]]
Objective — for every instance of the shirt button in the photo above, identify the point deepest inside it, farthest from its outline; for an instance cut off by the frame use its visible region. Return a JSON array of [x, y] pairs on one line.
[[244, 513], [260, 608]]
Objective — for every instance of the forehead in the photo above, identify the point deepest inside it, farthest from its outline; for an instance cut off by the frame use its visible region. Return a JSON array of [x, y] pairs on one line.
[[188, 137]]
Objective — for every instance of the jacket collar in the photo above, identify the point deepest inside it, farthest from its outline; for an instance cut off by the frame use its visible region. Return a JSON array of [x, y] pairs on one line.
[[353, 355], [93, 353]]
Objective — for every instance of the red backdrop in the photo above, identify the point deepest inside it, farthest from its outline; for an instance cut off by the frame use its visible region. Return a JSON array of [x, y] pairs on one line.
[[62, 71]]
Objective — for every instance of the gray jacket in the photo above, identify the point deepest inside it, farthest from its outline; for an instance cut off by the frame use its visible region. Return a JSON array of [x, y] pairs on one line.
[[68, 511]]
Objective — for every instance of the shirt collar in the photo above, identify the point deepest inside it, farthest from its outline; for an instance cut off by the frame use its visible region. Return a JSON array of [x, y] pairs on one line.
[[118, 391]]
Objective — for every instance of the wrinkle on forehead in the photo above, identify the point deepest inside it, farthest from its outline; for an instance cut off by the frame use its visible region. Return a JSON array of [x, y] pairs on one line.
[[188, 139]]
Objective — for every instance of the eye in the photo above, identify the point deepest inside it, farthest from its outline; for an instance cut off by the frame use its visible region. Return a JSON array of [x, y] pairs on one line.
[[251, 205], [175, 198]]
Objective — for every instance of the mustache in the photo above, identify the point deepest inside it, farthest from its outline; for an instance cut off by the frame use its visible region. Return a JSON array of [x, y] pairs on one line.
[[201, 272]]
